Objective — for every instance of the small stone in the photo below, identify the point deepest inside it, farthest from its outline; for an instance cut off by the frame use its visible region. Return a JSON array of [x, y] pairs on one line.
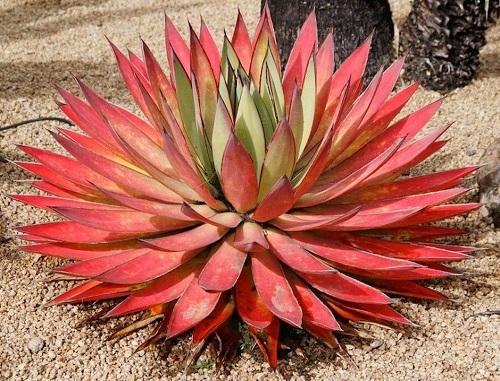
[[376, 343], [36, 345], [470, 151]]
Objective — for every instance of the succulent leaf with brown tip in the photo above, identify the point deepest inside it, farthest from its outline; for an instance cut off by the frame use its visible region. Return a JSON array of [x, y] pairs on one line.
[[246, 193]]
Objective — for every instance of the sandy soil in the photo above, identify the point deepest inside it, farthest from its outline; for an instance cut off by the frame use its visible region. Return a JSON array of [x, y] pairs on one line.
[[46, 42]]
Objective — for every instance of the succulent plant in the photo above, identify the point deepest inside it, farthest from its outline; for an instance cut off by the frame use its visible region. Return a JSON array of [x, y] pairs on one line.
[[246, 194]]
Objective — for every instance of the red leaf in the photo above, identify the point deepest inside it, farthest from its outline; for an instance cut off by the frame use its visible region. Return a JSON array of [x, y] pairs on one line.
[[80, 252], [407, 187], [414, 233], [71, 169], [383, 116], [118, 173], [175, 44], [148, 206], [406, 158], [163, 290], [345, 288], [48, 202], [72, 232], [193, 306], [130, 77], [278, 201], [56, 179], [368, 312], [161, 86], [436, 213], [404, 250], [137, 133], [274, 289], [406, 128], [191, 239], [406, 288], [92, 268], [314, 310], [264, 39], [250, 237], [289, 252], [206, 79], [387, 83], [301, 221], [390, 211], [325, 62], [329, 191], [351, 70], [210, 49], [188, 174], [93, 145], [221, 313], [237, 173], [241, 43], [342, 255], [346, 130], [144, 268], [88, 120], [305, 45], [138, 63], [222, 220], [268, 341], [67, 296], [223, 267], [122, 220], [291, 223], [92, 291], [249, 304], [61, 192]]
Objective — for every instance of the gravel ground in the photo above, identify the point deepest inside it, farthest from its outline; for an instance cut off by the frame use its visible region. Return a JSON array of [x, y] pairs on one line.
[[46, 42]]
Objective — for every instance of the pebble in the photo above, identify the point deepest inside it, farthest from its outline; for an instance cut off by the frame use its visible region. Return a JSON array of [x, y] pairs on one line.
[[376, 343], [470, 151], [36, 344]]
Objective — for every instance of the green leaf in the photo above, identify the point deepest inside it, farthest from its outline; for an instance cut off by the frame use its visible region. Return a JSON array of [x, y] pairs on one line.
[[308, 98], [248, 129], [268, 123], [206, 86], [296, 120], [224, 95], [196, 137], [229, 59], [271, 89], [274, 82], [280, 158], [223, 125]]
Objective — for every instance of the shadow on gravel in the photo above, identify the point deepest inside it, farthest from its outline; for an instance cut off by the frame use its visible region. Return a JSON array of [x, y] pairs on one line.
[[25, 21]]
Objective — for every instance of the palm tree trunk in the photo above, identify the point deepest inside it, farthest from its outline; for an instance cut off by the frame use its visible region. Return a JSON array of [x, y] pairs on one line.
[[442, 39]]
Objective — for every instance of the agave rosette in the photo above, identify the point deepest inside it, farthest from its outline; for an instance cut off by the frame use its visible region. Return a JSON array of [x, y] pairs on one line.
[[275, 198]]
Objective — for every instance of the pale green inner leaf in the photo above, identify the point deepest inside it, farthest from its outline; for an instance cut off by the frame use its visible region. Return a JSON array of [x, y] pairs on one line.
[[224, 95], [220, 136], [248, 129], [208, 168], [196, 137], [268, 123], [271, 89], [308, 97], [279, 160], [296, 120], [273, 80]]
